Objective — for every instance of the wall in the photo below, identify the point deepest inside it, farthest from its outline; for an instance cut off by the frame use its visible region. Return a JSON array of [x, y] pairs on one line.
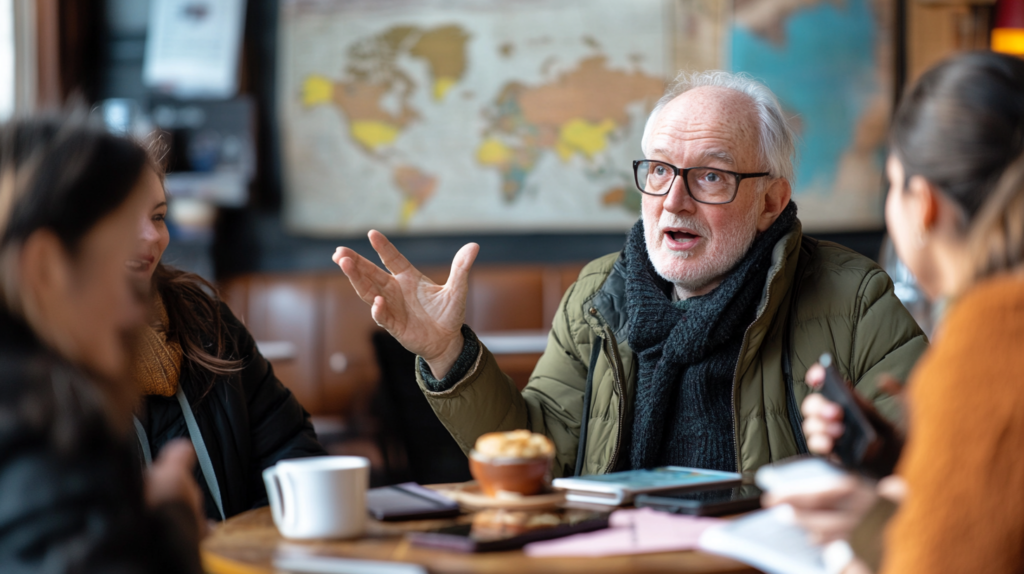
[[254, 240]]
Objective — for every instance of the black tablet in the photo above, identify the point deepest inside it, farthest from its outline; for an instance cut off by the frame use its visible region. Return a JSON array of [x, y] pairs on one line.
[[715, 502]]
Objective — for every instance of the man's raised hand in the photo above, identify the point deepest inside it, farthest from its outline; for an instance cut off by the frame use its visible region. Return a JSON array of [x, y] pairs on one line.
[[426, 318]]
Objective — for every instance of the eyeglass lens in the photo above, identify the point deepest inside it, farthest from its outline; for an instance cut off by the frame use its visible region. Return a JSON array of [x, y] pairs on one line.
[[705, 183]]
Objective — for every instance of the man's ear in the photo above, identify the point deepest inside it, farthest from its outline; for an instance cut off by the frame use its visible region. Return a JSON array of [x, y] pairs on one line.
[[775, 199], [43, 271]]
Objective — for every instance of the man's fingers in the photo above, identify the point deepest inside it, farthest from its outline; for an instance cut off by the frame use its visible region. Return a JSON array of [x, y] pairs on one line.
[[389, 255], [379, 312], [461, 264], [366, 278]]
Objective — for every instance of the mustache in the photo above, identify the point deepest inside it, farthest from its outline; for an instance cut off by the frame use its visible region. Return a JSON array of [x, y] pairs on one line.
[[670, 220]]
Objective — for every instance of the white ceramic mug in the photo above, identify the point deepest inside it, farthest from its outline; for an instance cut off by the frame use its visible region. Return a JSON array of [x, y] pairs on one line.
[[319, 497]]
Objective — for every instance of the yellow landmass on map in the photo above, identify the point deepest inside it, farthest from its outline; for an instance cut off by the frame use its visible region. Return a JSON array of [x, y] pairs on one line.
[[579, 135], [578, 112], [317, 90], [442, 86], [493, 152], [373, 74], [373, 134]]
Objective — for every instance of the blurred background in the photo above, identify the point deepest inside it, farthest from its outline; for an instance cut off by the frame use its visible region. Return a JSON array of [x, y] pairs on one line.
[[294, 126]]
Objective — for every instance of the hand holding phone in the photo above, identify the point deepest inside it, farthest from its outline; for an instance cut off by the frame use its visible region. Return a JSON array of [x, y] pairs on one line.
[[859, 441]]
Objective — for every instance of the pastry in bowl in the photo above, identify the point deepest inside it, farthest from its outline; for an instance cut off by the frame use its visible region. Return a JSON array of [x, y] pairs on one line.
[[514, 462]]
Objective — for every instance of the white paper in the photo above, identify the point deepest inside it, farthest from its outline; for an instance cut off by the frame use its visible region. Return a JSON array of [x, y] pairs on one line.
[[193, 47]]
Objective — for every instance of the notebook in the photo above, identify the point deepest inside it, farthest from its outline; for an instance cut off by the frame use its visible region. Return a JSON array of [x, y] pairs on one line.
[[619, 488], [769, 540]]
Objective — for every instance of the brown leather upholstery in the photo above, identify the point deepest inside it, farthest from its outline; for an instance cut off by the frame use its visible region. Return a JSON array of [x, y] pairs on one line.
[[334, 368]]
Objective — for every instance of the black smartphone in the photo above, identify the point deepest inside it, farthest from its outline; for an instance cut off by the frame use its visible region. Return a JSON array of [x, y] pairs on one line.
[[859, 439], [714, 502], [408, 501], [496, 530]]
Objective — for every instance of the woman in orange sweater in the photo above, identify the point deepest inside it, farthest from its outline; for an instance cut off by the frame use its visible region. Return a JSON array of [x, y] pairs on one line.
[[955, 212]]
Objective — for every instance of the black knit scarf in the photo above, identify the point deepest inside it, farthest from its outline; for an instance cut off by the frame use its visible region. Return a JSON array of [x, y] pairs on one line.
[[687, 355]]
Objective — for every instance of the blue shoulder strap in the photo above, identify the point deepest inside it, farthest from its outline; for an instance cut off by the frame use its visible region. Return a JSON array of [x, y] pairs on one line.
[[140, 433], [205, 462]]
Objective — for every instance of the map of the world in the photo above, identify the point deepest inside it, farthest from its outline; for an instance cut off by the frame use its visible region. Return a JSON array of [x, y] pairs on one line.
[[418, 116]]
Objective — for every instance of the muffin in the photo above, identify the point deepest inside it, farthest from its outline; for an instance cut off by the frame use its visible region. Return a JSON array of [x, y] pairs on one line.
[[516, 462], [499, 523]]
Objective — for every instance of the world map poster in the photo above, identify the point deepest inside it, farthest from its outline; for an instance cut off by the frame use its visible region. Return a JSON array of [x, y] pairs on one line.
[[465, 116]]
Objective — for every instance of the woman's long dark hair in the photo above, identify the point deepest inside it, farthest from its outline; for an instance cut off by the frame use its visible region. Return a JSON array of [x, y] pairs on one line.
[[195, 322], [193, 313]]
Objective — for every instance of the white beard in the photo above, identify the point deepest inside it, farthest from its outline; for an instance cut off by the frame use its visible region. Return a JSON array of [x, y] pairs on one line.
[[691, 272]]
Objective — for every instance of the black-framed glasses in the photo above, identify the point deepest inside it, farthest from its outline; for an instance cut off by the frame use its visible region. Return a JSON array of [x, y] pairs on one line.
[[704, 184]]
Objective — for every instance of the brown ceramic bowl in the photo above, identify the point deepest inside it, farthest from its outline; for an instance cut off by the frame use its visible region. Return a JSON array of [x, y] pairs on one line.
[[525, 476]]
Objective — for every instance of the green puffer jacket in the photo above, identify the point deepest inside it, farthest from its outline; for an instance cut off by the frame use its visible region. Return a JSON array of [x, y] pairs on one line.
[[819, 297]]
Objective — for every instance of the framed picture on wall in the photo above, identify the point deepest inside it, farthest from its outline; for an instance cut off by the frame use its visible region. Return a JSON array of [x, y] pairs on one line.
[[467, 116]]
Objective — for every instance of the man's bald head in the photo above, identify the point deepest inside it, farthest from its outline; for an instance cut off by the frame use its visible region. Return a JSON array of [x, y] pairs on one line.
[[775, 141]]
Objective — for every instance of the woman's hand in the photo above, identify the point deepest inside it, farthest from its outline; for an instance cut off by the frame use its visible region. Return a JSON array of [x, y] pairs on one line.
[[426, 318], [823, 423], [833, 513], [170, 480], [823, 419]]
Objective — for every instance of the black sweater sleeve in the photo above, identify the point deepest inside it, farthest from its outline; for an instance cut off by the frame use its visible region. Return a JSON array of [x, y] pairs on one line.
[[79, 508]]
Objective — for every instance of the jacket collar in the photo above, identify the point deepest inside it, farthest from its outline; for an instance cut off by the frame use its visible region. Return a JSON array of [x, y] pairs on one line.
[[609, 303]]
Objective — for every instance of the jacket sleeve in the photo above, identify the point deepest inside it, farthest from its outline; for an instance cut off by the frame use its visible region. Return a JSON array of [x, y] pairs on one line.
[[82, 512], [487, 400], [279, 427], [886, 341]]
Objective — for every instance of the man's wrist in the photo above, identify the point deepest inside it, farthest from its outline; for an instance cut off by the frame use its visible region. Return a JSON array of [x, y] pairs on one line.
[[440, 365]]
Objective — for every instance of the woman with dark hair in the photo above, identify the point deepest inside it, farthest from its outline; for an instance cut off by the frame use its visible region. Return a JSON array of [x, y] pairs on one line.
[[202, 378], [75, 498], [955, 212]]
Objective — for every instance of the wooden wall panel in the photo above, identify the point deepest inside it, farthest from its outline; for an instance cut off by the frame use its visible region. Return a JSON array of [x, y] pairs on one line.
[[347, 358], [937, 30], [334, 371], [506, 298], [287, 308]]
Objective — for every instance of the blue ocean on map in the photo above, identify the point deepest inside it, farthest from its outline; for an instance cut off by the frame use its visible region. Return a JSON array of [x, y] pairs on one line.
[[824, 72]]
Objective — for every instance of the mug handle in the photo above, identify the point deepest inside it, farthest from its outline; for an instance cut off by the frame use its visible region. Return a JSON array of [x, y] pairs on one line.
[[273, 484], [289, 498]]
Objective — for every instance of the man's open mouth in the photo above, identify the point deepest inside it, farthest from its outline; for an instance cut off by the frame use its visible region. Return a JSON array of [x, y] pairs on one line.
[[681, 236]]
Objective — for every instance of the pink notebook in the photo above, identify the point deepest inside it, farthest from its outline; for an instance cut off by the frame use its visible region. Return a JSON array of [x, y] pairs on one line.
[[634, 531]]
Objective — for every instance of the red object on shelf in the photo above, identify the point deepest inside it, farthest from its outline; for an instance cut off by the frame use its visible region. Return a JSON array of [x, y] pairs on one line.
[[1008, 29]]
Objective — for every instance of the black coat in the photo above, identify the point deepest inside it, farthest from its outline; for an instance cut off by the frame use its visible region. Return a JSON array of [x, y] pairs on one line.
[[249, 421], [71, 490]]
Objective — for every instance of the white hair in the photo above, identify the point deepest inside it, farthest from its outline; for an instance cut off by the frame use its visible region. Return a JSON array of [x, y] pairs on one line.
[[776, 145]]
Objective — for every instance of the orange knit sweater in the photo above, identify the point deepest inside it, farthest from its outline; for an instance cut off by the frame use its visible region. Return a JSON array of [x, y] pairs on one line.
[[964, 460]]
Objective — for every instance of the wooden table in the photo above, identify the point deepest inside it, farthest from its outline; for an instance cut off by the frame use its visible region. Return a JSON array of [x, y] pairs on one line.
[[247, 543]]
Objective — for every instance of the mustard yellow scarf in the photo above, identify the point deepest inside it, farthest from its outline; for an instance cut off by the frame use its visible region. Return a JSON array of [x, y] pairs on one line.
[[158, 364]]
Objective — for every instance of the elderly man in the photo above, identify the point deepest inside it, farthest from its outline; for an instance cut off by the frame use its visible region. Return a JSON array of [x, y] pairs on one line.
[[690, 346]]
